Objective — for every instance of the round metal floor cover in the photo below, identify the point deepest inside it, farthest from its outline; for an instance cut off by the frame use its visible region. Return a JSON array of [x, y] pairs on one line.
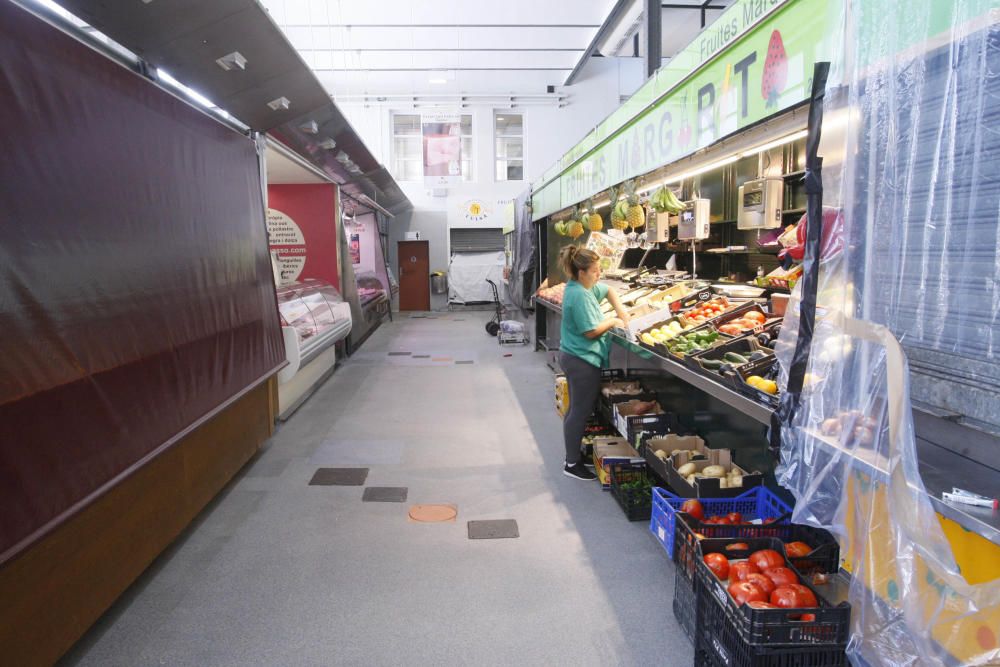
[[433, 513]]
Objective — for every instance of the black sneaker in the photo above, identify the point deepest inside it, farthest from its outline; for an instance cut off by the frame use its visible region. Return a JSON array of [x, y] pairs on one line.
[[578, 471]]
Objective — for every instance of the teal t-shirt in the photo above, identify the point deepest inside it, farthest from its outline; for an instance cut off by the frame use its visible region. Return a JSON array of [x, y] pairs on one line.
[[581, 313]]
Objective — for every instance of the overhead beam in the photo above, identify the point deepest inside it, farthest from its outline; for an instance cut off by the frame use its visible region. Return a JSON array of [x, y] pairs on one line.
[[411, 26], [704, 6], [441, 69], [668, 5], [654, 36], [609, 23], [439, 49]]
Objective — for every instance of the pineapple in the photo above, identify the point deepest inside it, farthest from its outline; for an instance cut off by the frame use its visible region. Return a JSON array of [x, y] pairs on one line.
[[636, 215], [595, 222], [574, 229], [618, 215]]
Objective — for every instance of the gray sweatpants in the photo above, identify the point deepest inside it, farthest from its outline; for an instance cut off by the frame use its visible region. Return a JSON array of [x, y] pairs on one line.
[[584, 381]]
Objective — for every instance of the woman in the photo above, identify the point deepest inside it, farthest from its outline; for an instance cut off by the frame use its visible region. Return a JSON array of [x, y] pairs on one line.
[[584, 346]]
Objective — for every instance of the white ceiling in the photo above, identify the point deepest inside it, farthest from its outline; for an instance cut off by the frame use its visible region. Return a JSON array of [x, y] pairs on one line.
[[476, 46]]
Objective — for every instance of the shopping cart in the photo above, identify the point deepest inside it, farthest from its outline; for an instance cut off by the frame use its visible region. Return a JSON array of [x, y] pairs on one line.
[[508, 332]]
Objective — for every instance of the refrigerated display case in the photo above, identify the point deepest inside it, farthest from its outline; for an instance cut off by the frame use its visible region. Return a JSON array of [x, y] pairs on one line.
[[314, 318]]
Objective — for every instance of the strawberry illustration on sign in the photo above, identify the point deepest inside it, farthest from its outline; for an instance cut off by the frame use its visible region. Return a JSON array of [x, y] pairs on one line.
[[775, 75], [684, 135]]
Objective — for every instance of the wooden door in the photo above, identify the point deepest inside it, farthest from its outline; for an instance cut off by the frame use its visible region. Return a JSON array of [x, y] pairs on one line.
[[414, 276]]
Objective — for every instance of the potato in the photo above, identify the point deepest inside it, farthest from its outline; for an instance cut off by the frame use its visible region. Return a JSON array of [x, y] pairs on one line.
[[723, 484], [689, 479], [735, 480], [714, 471], [687, 469], [660, 454]]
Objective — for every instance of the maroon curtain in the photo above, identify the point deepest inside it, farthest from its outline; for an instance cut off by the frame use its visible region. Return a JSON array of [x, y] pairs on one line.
[[136, 294]]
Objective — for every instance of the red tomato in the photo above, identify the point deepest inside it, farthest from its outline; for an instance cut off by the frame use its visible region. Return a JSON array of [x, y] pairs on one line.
[[694, 508], [761, 605], [765, 559], [782, 576], [734, 518], [804, 618], [739, 571], [793, 596], [737, 546], [797, 549], [718, 564], [744, 592], [770, 519], [761, 581]]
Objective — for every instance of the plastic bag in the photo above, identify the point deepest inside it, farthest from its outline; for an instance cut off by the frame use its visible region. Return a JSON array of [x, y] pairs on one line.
[[909, 135]]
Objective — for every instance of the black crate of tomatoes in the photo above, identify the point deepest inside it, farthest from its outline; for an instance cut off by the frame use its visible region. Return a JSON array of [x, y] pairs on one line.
[[632, 486], [809, 549], [754, 609]]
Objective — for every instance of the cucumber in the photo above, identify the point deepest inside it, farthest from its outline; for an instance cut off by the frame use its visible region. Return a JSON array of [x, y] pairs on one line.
[[737, 359], [712, 364], [758, 355]]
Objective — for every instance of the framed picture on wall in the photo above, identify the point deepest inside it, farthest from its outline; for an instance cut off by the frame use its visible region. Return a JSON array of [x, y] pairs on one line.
[[355, 247]]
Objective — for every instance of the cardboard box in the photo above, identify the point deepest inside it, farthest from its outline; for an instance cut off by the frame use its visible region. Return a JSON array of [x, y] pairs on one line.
[[608, 449], [706, 487]]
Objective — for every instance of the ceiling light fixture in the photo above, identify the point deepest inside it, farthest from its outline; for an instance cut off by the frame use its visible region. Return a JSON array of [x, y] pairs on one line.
[[231, 61], [328, 144], [343, 158], [280, 104], [309, 128]]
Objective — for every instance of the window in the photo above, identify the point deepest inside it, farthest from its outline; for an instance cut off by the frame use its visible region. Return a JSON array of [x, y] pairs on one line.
[[508, 131], [408, 148]]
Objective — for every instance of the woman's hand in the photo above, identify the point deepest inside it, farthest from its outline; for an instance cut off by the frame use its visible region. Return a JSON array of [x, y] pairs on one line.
[[617, 322]]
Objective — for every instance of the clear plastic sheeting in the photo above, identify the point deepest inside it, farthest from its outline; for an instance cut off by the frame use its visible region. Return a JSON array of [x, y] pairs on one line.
[[910, 143]]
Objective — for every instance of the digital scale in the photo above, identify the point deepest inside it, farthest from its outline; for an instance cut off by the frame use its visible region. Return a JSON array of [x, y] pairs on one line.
[[693, 222], [759, 204], [658, 227]]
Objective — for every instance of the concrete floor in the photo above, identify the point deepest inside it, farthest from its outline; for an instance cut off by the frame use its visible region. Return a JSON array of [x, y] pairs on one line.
[[277, 572]]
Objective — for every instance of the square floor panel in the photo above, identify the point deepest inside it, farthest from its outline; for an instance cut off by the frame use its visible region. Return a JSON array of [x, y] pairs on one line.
[[385, 494], [342, 452], [493, 529], [339, 477]]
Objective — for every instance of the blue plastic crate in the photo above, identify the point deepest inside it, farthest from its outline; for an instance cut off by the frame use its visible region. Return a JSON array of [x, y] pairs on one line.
[[757, 503]]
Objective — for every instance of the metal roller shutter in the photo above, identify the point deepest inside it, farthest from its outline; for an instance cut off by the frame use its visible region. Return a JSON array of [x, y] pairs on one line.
[[476, 239]]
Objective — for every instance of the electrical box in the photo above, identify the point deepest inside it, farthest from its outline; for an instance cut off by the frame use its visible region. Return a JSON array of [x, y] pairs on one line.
[[693, 224], [658, 228], [759, 204]]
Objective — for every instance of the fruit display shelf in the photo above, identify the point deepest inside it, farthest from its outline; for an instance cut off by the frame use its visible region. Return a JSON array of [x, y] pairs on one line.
[[748, 406]]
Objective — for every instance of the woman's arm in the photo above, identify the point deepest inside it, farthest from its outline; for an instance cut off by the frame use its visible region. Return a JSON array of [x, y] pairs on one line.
[[619, 308], [604, 327]]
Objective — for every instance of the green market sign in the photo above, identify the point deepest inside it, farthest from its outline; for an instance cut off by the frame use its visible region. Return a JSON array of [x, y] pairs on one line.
[[768, 48]]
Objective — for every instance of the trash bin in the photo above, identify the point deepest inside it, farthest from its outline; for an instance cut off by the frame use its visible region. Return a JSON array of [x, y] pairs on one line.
[[439, 282]]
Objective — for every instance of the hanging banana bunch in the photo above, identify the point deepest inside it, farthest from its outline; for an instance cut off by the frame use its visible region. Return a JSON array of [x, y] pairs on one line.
[[665, 201]]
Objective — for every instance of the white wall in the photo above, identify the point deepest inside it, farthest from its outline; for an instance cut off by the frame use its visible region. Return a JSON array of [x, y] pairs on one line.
[[549, 133]]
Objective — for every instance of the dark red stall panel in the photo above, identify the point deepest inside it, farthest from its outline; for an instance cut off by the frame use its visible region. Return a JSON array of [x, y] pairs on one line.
[[136, 294]]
